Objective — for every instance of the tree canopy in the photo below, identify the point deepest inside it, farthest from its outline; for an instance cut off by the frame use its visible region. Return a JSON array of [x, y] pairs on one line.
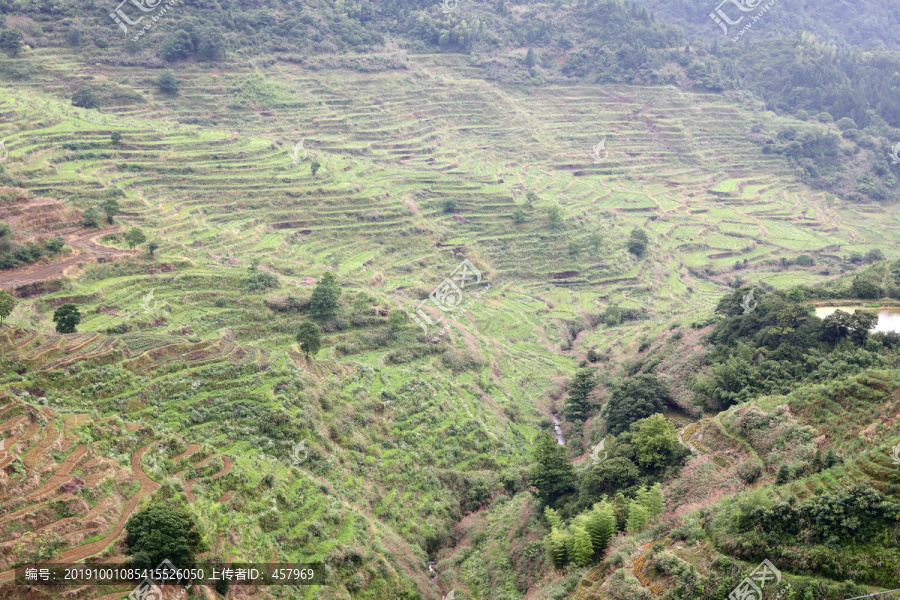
[[164, 532]]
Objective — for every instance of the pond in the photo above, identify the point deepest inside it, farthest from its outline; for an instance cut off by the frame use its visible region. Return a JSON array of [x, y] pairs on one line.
[[888, 318]]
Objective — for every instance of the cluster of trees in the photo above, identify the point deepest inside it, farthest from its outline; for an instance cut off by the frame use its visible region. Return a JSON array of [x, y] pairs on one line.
[[14, 255], [110, 207], [641, 456], [583, 540], [637, 241], [782, 342]]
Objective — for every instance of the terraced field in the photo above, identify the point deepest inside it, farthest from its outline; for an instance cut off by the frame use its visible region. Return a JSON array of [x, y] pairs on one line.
[[420, 168]]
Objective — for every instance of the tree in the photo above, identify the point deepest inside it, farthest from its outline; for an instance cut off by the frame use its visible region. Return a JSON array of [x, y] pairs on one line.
[[865, 290], [66, 318], [653, 500], [11, 40], [73, 37], [164, 532], [152, 247], [637, 398], [111, 207], [167, 83], [85, 98], [582, 549], [177, 46], [7, 304], [577, 403], [518, 216], [836, 326], [55, 244], [637, 242], [135, 236], [314, 167], [601, 524], [115, 138], [397, 319], [530, 57], [91, 218], [310, 338], [554, 217], [860, 323], [654, 440], [638, 516], [596, 241], [6, 237], [607, 477], [324, 298], [553, 474]]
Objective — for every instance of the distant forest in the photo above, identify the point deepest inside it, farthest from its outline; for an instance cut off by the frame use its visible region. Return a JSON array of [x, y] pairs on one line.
[[602, 41]]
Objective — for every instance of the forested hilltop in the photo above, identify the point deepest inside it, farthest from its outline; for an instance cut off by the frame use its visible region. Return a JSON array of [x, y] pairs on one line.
[[475, 301]]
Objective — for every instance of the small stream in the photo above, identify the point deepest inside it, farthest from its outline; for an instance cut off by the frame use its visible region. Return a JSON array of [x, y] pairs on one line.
[[432, 571], [559, 435]]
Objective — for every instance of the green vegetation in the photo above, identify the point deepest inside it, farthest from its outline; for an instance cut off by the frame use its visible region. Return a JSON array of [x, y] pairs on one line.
[[611, 293], [7, 304], [162, 532], [67, 317]]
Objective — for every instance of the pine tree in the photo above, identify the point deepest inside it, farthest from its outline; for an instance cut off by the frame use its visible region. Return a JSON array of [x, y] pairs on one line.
[[530, 58], [577, 404], [554, 475]]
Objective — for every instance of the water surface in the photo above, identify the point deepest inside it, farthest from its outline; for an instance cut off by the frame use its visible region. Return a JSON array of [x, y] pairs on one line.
[[888, 318]]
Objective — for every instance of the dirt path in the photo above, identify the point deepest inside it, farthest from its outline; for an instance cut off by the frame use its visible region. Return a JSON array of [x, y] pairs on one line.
[[86, 249], [226, 468], [190, 450]]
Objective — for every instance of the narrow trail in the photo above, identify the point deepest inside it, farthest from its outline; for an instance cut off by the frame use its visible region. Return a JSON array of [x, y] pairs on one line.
[[86, 249], [226, 468], [192, 448]]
